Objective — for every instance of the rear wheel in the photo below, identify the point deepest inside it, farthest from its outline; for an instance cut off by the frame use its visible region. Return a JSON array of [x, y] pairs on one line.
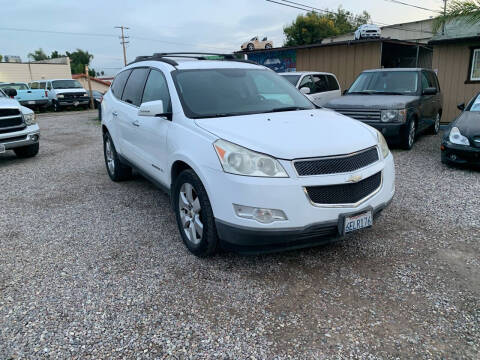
[[115, 168], [409, 135], [268, 46], [27, 151], [250, 47], [194, 214], [436, 125]]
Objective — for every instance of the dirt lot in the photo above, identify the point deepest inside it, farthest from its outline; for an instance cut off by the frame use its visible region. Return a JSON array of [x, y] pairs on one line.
[[94, 269]]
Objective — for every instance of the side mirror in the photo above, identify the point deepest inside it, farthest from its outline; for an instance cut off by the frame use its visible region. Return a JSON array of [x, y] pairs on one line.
[[345, 92], [305, 90], [461, 106], [153, 108], [10, 92], [430, 91]]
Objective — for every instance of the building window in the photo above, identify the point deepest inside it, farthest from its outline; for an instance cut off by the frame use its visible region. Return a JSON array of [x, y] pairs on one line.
[[475, 65]]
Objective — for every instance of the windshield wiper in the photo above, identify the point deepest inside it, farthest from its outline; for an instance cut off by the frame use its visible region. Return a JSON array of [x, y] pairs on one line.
[[390, 93], [287, 108], [360, 93]]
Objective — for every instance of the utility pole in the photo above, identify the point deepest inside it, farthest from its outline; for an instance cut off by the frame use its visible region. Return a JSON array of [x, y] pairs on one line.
[[123, 42], [89, 87], [444, 14]]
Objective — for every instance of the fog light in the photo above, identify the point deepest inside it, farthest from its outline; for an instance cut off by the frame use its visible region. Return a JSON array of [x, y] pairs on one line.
[[34, 138], [264, 216]]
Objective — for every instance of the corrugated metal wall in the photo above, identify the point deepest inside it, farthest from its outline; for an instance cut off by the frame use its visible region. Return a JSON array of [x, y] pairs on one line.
[[12, 72], [345, 61], [452, 62]]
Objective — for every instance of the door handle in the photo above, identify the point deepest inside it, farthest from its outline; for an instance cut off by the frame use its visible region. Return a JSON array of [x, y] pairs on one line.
[[114, 113], [135, 123]]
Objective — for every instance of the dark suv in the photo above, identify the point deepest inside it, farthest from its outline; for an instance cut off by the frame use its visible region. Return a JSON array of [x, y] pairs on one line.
[[400, 103]]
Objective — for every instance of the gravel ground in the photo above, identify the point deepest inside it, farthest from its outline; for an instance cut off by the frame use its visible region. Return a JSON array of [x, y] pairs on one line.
[[94, 269]]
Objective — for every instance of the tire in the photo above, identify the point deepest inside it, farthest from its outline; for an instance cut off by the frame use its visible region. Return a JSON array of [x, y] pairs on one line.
[[268, 46], [115, 168], [435, 128], [27, 151], [408, 136], [250, 47], [194, 215], [55, 106]]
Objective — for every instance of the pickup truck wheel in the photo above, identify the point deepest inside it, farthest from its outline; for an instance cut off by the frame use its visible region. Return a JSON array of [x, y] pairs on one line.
[[116, 170], [436, 125], [27, 151], [194, 214], [55, 106], [408, 137]]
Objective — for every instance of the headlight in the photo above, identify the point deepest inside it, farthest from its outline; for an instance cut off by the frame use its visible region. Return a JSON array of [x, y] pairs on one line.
[[394, 115], [60, 96], [29, 119], [85, 94], [383, 145], [241, 161], [456, 137]]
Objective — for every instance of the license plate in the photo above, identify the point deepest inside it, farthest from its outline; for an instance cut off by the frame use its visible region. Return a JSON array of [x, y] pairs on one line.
[[31, 102], [357, 222], [76, 103], [2, 148]]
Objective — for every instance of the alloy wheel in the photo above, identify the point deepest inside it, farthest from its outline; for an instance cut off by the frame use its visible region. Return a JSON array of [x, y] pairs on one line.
[[109, 156], [437, 124], [411, 134], [190, 213]]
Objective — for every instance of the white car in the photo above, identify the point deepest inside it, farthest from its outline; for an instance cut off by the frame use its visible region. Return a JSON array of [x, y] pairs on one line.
[[63, 92], [368, 31], [19, 130], [249, 162], [319, 87]]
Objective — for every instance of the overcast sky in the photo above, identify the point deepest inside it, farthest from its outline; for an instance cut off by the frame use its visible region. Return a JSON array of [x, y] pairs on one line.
[[165, 25]]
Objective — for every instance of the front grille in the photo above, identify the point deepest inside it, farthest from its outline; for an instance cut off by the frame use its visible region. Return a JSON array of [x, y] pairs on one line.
[[362, 115], [338, 164], [344, 193], [9, 112], [10, 118], [16, 138], [73, 96]]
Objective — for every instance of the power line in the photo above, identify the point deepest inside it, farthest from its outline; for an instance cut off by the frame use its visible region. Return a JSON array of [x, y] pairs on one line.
[[414, 6]]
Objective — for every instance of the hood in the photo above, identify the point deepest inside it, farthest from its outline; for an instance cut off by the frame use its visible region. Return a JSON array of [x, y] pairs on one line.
[[294, 134], [469, 124], [9, 103], [371, 102]]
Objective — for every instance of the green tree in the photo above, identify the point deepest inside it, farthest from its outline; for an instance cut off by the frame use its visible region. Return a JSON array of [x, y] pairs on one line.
[[78, 60], [55, 55], [38, 55], [313, 27], [469, 10], [1, 57]]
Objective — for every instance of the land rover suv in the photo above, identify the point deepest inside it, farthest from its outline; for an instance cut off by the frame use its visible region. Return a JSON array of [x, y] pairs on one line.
[[248, 161]]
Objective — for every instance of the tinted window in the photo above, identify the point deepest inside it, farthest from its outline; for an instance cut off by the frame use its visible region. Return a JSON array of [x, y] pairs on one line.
[[119, 83], [386, 82], [433, 80], [156, 89], [134, 88], [49, 86], [66, 84], [307, 82], [427, 81], [320, 83], [42, 85], [17, 86], [332, 83]]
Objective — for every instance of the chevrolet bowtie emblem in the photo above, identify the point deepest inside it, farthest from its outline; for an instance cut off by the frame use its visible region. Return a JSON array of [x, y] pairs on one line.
[[355, 178]]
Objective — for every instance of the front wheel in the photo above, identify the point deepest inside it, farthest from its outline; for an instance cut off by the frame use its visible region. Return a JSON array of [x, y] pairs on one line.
[[194, 214], [409, 135], [55, 106], [116, 170], [268, 46], [27, 151], [250, 47], [434, 130]]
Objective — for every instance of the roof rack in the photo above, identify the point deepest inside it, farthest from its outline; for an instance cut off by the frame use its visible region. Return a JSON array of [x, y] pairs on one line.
[[164, 57]]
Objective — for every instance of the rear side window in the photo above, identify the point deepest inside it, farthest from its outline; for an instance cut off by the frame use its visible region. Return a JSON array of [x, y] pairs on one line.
[[156, 89], [34, 85], [332, 83], [433, 80], [307, 82], [42, 85], [119, 83], [49, 86], [134, 88], [320, 83]]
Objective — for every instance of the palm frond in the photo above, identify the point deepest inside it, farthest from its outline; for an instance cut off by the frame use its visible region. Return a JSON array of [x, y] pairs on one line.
[[468, 10]]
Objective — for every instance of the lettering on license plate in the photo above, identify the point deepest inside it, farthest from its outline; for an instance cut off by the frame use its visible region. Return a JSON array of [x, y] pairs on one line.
[[357, 222]]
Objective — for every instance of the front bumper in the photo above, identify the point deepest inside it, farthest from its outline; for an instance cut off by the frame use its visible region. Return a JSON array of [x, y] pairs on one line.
[[74, 102], [28, 103], [458, 154], [26, 137], [391, 131], [306, 221]]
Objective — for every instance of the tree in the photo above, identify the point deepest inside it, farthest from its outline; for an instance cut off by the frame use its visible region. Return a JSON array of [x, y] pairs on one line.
[[78, 60], [469, 10], [314, 27], [55, 55], [1, 57], [38, 55]]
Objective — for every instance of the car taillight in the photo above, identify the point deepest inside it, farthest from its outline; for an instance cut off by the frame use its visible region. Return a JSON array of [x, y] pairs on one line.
[[46, 93], [101, 98]]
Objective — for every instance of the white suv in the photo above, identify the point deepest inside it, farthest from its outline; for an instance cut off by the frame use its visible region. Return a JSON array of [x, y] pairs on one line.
[[248, 161], [319, 87]]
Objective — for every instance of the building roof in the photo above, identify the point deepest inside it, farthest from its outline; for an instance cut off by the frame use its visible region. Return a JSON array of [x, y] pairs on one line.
[[82, 76], [339, 43], [457, 30]]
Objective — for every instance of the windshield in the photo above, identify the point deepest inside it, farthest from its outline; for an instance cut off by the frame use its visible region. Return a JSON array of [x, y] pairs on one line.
[[387, 82], [66, 84], [2, 94], [474, 104], [14, 86], [293, 79], [229, 92]]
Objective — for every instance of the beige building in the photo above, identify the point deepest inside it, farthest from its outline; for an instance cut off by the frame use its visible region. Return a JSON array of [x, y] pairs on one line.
[[26, 72], [97, 84]]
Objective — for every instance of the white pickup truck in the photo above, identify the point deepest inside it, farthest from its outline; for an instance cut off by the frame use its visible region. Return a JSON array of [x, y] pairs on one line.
[[19, 130]]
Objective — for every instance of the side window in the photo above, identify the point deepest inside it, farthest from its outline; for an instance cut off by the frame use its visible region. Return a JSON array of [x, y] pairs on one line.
[[34, 85], [134, 88], [320, 83], [433, 80], [307, 82], [425, 81], [42, 85], [49, 85], [156, 88], [119, 83], [332, 83]]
